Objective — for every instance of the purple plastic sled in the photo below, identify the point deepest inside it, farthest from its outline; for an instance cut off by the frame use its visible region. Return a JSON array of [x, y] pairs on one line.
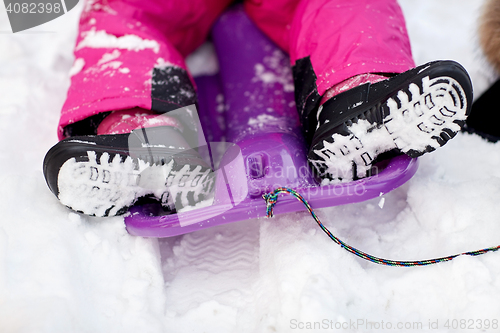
[[250, 103]]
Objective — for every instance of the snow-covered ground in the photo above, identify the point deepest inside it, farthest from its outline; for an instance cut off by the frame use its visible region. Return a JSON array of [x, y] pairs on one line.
[[62, 272]]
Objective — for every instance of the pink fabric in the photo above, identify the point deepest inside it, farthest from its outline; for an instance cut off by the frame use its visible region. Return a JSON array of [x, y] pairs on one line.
[[125, 121], [350, 83], [343, 38], [169, 30]]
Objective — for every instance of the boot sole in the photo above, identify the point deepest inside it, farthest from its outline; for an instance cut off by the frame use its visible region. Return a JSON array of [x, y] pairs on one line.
[[96, 179], [417, 118]]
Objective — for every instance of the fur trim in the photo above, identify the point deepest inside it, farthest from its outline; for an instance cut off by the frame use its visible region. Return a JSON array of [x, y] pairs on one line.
[[489, 32]]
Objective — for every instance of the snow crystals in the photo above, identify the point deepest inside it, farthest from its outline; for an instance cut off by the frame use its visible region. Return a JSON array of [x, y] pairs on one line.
[[101, 39]]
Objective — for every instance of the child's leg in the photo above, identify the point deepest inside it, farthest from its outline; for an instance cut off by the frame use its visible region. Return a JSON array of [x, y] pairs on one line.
[[335, 41], [130, 54], [330, 41], [129, 68]]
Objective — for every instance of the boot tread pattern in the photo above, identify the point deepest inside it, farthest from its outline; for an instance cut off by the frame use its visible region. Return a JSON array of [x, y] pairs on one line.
[[107, 184], [415, 120]]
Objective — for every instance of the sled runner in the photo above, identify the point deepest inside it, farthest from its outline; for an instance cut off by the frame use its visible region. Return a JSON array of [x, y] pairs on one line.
[[250, 104]]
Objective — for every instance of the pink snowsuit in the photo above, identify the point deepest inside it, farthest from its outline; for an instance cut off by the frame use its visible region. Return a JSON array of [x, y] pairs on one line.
[[126, 49]]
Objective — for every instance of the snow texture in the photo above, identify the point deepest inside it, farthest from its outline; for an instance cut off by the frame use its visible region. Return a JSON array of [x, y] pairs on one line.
[[62, 272], [101, 39], [77, 66], [203, 61], [102, 186], [279, 74]]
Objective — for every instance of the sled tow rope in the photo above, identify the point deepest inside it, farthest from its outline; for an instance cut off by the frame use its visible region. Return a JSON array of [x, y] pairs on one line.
[[272, 198]]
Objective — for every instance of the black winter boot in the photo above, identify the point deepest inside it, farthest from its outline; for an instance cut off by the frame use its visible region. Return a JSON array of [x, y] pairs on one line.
[[413, 113], [103, 175]]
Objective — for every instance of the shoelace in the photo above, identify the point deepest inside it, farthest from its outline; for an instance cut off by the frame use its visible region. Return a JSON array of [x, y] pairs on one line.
[[272, 198]]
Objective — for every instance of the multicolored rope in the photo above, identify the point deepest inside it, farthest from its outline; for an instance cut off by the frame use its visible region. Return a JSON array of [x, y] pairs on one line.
[[272, 199]]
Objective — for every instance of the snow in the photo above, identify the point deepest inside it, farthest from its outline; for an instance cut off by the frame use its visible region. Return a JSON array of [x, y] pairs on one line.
[[162, 64], [282, 76], [108, 57], [62, 272], [77, 66], [104, 183], [203, 61], [262, 120], [97, 197], [100, 39]]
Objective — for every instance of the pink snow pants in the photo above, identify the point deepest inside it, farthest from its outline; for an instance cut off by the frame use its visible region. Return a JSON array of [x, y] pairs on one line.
[[122, 44]]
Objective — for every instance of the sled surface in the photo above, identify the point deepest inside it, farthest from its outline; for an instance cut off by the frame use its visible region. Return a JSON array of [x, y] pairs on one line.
[[250, 104]]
